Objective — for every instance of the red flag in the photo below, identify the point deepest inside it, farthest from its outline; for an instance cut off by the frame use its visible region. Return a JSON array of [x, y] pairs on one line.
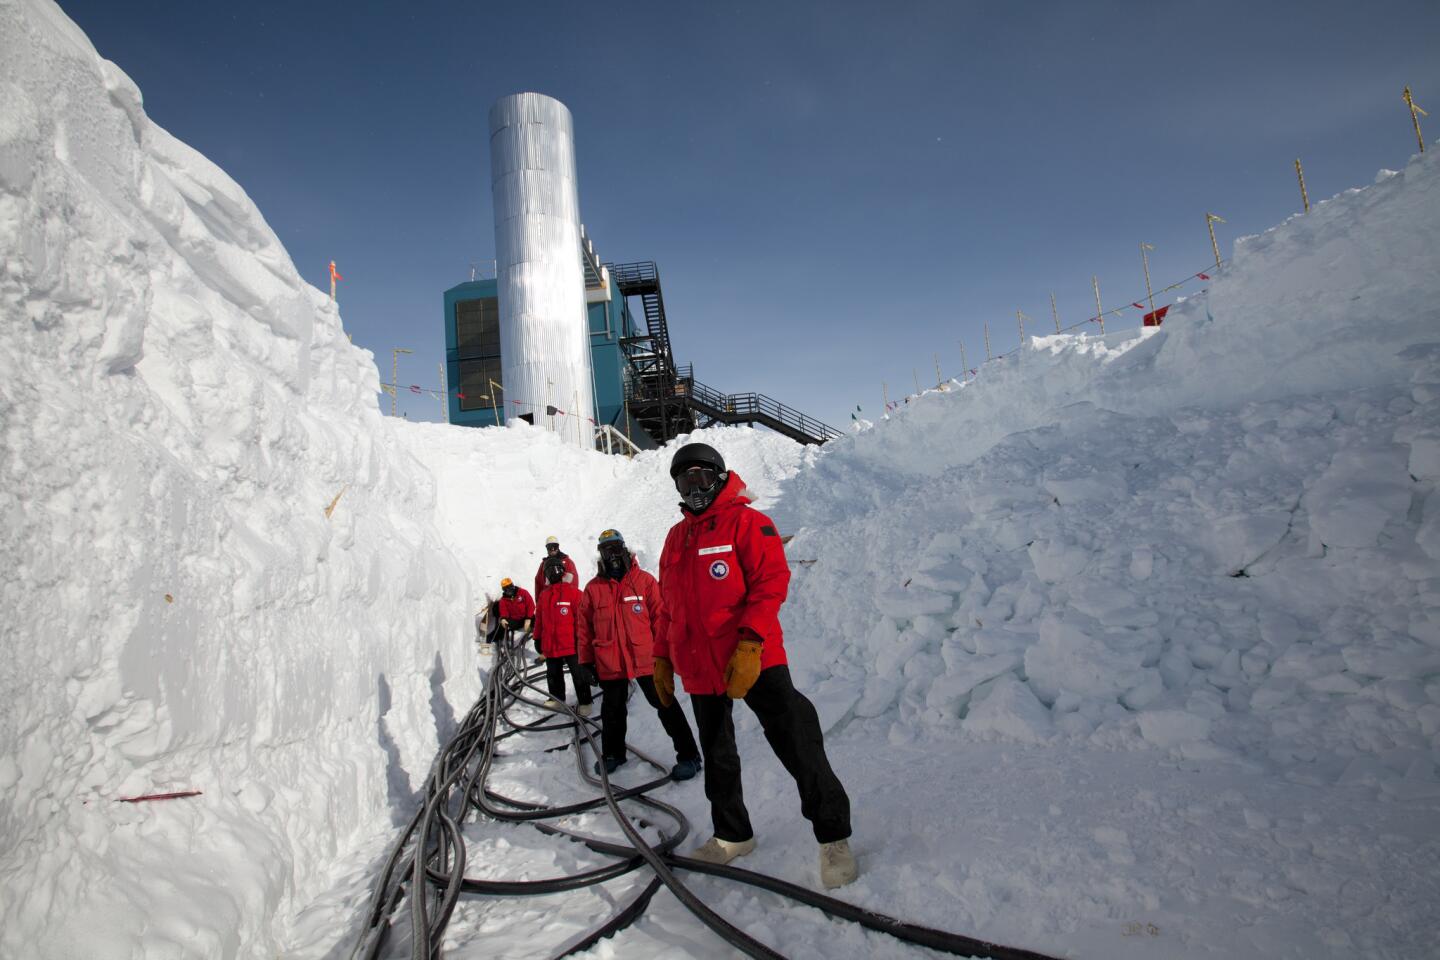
[[1137, 306], [460, 394], [1153, 319], [414, 389], [1203, 276], [334, 274]]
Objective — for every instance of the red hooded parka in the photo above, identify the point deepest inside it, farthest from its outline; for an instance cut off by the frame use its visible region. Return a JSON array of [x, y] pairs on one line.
[[617, 624], [555, 623], [518, 610], [720, 571]]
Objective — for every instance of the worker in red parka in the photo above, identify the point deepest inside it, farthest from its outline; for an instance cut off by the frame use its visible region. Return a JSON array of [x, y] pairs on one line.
[[723, 577], [517, 611], [558, 613], [618, 614], [552, 550]]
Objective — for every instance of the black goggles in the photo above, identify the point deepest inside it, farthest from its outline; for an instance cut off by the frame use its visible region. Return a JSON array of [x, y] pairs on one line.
[[695, 478], [612, 548], [552, 548]]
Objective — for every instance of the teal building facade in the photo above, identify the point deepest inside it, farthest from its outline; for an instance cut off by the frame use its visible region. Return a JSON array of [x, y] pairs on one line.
[[473, 354]]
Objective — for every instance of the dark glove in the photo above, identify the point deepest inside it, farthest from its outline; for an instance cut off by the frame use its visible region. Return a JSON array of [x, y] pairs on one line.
[[744, 667], [664, 680], [588, 675]]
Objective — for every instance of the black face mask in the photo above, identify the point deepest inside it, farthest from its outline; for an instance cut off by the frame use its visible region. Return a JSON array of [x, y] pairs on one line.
[[614, 560], [510, 592], [699, 486]]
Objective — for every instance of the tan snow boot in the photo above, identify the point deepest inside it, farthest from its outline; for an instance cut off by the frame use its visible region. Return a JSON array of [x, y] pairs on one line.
[[716, 850], [837, 864]]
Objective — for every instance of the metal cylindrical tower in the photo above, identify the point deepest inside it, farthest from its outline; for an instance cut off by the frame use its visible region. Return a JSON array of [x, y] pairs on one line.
[[544, 330]]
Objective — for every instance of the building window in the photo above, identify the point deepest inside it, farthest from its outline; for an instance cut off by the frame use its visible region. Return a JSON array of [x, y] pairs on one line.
[[477, 328], [477, 346], [475, 377]]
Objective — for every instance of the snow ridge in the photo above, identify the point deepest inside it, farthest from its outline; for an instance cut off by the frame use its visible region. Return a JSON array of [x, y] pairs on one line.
[[1216, 537], [178, 408]]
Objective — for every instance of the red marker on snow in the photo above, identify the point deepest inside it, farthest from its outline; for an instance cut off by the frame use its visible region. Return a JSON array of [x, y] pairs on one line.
[[162, 796]]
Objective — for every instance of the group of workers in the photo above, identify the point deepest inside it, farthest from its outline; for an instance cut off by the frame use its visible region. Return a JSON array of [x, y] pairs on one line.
[[712, 620]]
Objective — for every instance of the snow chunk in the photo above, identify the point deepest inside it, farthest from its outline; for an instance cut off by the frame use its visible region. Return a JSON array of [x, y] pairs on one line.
[[1055, 561], [1066, 657], [1170, 728], [906, 603], [1010, 711], [950, 690], [1358, 494]]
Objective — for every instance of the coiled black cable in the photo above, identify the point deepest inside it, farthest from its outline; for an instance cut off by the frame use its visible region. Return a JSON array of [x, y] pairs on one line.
[[433, 872]]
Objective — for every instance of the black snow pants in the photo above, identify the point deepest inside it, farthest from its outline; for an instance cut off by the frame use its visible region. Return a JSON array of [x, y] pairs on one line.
[[614, 722], [555, 679], [793, 728]]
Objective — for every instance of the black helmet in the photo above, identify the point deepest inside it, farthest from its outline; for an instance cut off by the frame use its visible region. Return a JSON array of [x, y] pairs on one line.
[[699, 474], [614, 555], [696, 454], [554, 569]]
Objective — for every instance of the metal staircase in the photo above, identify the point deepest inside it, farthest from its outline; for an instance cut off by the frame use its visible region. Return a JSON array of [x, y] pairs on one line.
[[666, 399]]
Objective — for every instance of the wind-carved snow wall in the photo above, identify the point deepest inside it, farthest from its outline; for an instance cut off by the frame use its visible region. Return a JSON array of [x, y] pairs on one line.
[[1219, 538], [178, 408]]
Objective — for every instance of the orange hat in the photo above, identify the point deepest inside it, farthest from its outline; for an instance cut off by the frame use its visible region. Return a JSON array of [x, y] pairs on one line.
[[506, 582]]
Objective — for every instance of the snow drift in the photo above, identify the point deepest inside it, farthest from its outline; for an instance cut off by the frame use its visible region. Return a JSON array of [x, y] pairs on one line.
[[1218, 537]]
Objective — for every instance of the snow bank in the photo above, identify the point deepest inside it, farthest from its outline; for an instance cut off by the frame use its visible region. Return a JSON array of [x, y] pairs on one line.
[[1217, 538], [179, 409], [502, 492]]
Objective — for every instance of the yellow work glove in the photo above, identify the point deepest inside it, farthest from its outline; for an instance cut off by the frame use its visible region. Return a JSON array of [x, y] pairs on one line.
[[744, 667], [664, 681]]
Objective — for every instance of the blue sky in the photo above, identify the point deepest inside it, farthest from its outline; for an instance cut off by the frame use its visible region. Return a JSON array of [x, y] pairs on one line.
[[834, 192]]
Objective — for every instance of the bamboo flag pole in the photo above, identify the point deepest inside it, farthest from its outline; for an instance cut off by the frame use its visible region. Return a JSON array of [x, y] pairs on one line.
[[1146, 261], [1099, 315], [987, 341], [1020, 319], [885, 392], [1054, 312], [1210, 221], [964, 364], [938, 379], [916, 374], [395, 376], [1300, 173], [334, 275], [1415, 114], [444, 396], [494, 404], [331, 509]]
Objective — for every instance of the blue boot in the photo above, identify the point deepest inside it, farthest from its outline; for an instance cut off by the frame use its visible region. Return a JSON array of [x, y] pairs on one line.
[[685, 769]]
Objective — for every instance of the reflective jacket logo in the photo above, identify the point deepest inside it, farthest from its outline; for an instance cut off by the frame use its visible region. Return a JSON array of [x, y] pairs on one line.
[[719, 570]]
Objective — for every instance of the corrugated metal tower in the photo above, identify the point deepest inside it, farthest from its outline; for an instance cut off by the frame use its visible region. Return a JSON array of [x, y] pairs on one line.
[[544, 332]]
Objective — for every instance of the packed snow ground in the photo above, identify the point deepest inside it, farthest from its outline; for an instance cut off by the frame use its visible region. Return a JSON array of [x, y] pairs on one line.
[[1131, 646]]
